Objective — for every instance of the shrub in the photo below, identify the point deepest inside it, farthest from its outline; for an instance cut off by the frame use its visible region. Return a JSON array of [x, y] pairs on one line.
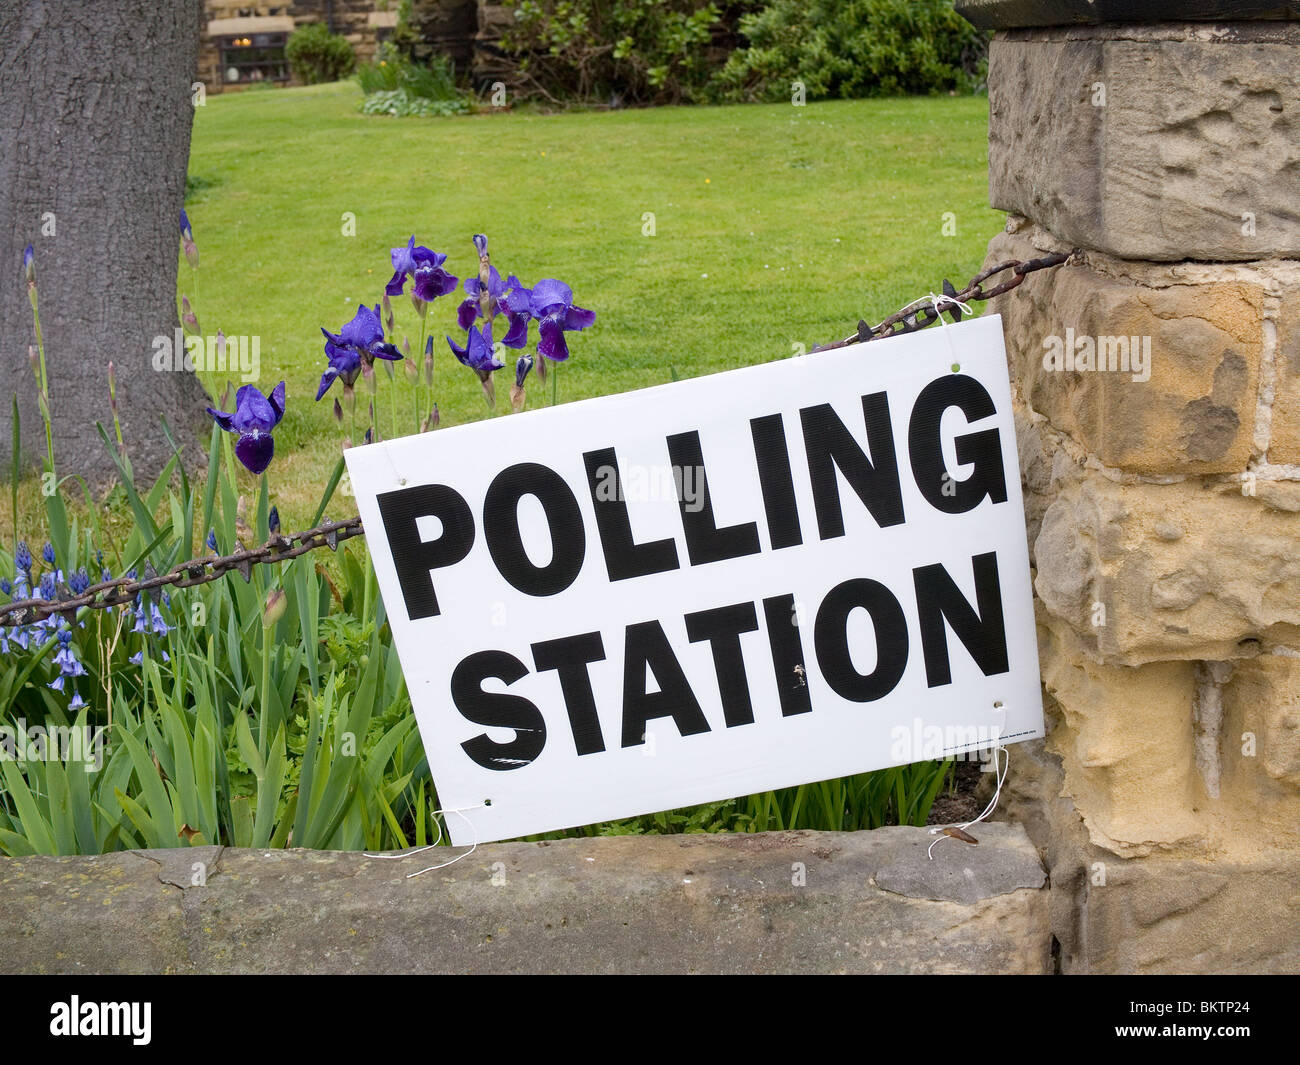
[[395, 85], [854, 48], [401, 104], [642, 51], [315, 55]]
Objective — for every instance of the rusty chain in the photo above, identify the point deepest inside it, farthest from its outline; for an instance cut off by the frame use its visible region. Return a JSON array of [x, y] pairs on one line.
[[911, 318], [123, 590]]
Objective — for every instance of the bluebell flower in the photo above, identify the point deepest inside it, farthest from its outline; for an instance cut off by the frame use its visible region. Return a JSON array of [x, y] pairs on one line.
[[29, 264], [137, 659], [66, 658], [23, 559], [212, 541], [148, 618], [47, 553]]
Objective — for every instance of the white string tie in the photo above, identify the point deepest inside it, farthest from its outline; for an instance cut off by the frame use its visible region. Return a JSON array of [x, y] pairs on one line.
[[418, 850], [1000, 767]]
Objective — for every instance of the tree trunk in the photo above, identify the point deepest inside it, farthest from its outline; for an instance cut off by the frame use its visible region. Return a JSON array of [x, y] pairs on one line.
[[95, 108]]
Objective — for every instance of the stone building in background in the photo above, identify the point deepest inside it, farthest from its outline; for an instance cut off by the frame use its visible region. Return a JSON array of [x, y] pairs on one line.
[[243, 40]]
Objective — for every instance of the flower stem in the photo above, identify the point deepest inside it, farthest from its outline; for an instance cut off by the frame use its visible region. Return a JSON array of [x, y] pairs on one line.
[[264, 724], [419, 354], [42, 379]]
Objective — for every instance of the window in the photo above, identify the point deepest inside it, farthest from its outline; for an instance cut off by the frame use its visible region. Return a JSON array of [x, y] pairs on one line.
[[255, 57]]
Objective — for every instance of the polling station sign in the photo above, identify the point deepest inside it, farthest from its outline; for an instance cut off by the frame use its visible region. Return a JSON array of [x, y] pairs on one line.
[[770, 576]]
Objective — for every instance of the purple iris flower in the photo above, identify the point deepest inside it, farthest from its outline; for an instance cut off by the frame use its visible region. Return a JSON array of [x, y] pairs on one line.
[[345, 364], [254, 418], [507, 297], [357, 344], [425, 266], [551, 303], [187, 241], [477, 353]]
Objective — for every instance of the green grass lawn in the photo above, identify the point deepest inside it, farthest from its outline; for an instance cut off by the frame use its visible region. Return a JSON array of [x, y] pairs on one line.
[[775, 226]]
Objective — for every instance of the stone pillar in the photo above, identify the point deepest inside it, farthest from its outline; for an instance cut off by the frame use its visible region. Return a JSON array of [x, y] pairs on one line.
[[1163, 491]]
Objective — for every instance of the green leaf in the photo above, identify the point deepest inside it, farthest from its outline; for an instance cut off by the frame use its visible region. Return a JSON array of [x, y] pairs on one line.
[[270, 785], [326, 495], [155, 795], [62, 826], [143, 517], [149, 828], [35, 827], [241, 818], [210, 488]]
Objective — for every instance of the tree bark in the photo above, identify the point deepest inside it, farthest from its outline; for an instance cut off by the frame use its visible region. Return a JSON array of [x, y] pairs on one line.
[[95, 109]]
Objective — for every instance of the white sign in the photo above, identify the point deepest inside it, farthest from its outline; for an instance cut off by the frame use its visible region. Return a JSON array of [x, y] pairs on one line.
[[776, 575]]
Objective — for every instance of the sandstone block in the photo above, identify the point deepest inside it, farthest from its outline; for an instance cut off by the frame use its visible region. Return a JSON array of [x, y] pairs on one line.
[[1284, 438], [1126, 745], [1260, 747], [1158, 142], [1186, 405], [1209, 913], [1180, 571]]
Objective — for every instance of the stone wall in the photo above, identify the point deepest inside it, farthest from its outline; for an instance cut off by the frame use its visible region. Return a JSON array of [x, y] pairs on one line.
[[1162, 496], [796, 902]]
